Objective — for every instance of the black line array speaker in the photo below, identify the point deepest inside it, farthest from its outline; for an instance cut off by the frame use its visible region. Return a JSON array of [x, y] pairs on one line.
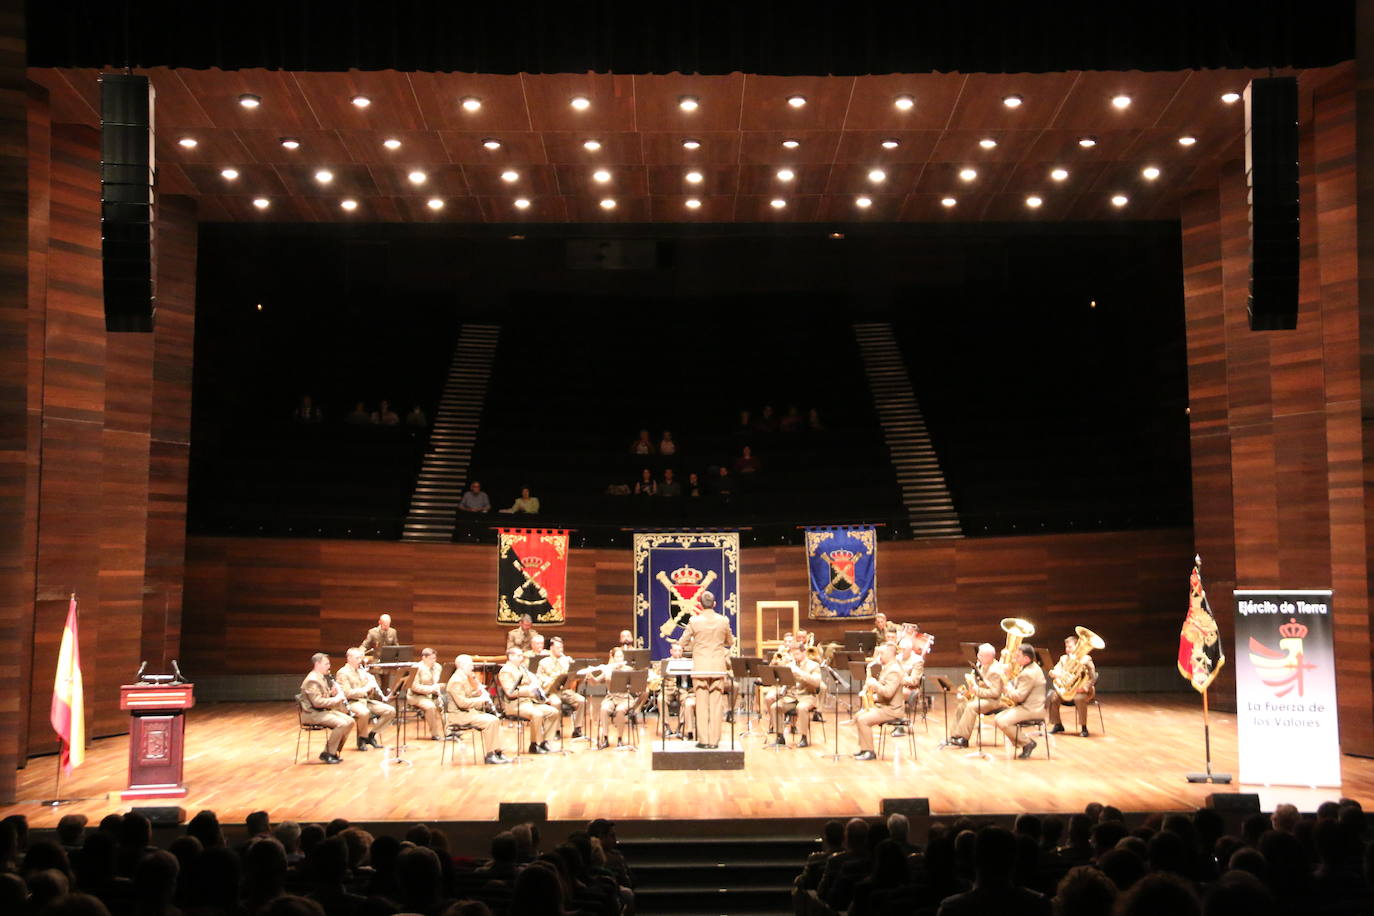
[[127, 243], [1271, 177]]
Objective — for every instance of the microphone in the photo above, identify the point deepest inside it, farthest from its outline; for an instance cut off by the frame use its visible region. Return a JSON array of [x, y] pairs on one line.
[[141, 668], [176, 669]]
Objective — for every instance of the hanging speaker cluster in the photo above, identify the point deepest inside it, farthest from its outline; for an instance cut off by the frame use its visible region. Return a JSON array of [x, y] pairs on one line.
[[127, 230], [1271, 175]]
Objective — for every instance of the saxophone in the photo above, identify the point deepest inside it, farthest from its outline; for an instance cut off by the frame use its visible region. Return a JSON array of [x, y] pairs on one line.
[[1072, 678], [868, 697]]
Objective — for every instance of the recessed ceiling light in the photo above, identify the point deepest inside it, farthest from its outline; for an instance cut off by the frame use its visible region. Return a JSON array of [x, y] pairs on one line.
[[1120, 200], [608, 203], [691, 144], [692, 203], [786, 174], [248, 100], [471, 103], [790, 143], [904, 102], [417, 177], [1121, 101], [1012, 101], [890, 143], [1230, 98], [435, 203], [522, 203], [591, 146], [361, 101], [1059, 174], [777, 203], [1087, 142], [348, 203], [694, 177], [324, 176], [836, 235], [967, 174], [877, 175], [290, 143], [393, 143], [796, 101], [187, 142], [688, 103], [863, 202], [262, 203], [1033, 201], [1149, 173], [988, 143], [601, 175], [947, 201], [582, 103], [1187, 140], [229, 174], [491, 143], [510, 175]]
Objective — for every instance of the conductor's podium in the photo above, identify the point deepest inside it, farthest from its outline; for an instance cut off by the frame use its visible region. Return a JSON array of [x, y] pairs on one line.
[[157, 738]]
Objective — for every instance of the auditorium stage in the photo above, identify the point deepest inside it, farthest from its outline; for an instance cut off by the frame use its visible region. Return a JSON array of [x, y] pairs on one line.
[[239, 758]]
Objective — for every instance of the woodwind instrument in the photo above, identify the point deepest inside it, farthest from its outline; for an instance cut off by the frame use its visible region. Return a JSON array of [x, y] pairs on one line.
[[868, 697]]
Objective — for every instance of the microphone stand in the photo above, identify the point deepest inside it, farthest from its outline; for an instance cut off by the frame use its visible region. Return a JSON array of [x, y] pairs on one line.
[[835, 712]]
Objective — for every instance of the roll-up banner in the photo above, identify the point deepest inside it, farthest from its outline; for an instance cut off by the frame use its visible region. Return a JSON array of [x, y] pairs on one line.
[[1286, 688]]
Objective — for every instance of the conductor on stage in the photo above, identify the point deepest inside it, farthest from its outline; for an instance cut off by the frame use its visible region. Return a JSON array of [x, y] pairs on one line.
[[383, 634], [707, 637]]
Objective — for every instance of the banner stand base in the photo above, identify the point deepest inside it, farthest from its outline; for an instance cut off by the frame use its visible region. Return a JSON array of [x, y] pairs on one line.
[[58, 802], [1218, 778]]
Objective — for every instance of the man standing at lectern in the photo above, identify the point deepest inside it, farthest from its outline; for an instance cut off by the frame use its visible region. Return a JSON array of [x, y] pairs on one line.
[[707, 637]]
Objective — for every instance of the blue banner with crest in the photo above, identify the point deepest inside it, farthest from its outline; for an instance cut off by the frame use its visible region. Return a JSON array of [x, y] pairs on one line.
[[672, 570], [843, 563]]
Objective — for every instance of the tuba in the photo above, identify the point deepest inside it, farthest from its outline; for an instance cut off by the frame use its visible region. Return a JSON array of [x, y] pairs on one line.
[[1072, 678], [1017, 630]]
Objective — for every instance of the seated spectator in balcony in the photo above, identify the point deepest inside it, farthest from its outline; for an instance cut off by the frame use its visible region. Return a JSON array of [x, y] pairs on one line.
[[695, 489], [385, 416], [745, 427], [666, 445], [768, 421], [525, 504], [646, 485], [474, 500], [307, 412], [813, 421], [724, 486], [791, 421], [746, 463], [359, 416], [670, 488], [643, 445], [416, 419]]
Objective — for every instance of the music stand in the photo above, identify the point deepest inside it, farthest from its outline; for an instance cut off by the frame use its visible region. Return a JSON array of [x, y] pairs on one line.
[[551, 692], [858, 674], [835, 712], [945, 688], [768, 677], [401, 686], [634, 683], [637, 658], [396, 654], [864, 641], [742, 668]]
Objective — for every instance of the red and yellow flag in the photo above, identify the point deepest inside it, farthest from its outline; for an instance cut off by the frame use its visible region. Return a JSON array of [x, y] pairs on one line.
[[68, 714], [1200, 655]]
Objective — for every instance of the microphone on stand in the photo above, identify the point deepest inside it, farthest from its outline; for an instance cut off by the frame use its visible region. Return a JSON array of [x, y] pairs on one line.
[[176, 670], [138, 676]]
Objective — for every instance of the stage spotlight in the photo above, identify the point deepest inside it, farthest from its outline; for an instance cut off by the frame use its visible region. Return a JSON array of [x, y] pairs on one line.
[[948, 202], [248, 100], [435, 203], [472, 103], [988, 143], [361, 101], [1149, 173], [786, 174], [1059, 174], [1230, 98], [877, 176], [522, 203], [863, 203], [393, 144], [262, 203], [510, 175], [608, 203], [229, 174], [290, 143], [1087, 142], [1120, 200], [1121, 101], [324, 176], [601, 175], [694, 177], [691, 144], [187, 142], [904, 103], [349, 203], [1033, 201], [582, 103], [789, 143], [967, 174], [692, 203], [777, 203], [417, 177], [891, 144], [491, 143], [688, 103], [1186, 140], [591, 146], [1012, 101]]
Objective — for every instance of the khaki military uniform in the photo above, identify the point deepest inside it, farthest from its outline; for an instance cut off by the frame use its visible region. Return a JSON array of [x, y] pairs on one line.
[[468, 706], [676, 691], [424, 693], [887, 706], [615, 707], [362, 692], [987, 699], [802, 698], [1081, 699], [1027, 692], [550, 668], [913, 671], [882, 632], [376, 638], [321, 706], [517, 692], [522, 639], [708, 637]]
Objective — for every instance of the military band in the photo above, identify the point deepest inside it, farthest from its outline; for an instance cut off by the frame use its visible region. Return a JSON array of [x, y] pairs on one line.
[[323, 702], [471, 706], [522, 637], [678, 698], [1075, 681], [426, 692], [365, 700], [383, 634], [523, 698], [801, 698], [617, 706], [553, 665]]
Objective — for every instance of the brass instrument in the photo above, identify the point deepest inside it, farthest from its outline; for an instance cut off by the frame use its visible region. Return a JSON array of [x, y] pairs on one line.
[[1018, 630], [966, 690], [868, 697], [1072, 680]]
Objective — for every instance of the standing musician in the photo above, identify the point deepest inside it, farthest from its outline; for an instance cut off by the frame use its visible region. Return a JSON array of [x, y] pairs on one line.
[[886, 691], [708, 637], [383, 634], [521, 637], [473, 707], [985, 686], [882, 627], [627, 640], [364, 700], [1053, 700], [616, 707], [675, 691], [323, 703], [768, 696], [519, 692], [426, 688], [1027, 694], [554, 664], [801, 698]]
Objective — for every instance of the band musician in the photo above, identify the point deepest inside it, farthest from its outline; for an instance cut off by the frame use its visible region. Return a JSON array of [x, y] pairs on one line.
[[1062, 669], [470, 705], [679, 702], [802, 698], [627, 640], [887, 695], [913, 665], [522, 636], [323, 703], [365, 700], [550, 667], [519, 693], [708, 637], [383, 634], [882, 627], [768, 696], [1027, 694], [615, 707], [981, 695], [426, 690]]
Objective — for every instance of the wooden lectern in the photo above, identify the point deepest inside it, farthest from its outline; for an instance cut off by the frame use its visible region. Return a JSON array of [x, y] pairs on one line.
[[157, 738]]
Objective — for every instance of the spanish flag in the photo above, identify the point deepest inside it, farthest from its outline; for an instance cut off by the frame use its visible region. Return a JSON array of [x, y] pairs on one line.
[[68, 714]]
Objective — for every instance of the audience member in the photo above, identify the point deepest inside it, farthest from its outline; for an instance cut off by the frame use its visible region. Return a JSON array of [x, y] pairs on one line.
[[643, 445], [993, 889], [1085, 891], [791, 421], [669, 488], [666, 445], [694, 488], [646, 485], [524, 504], [746, 463], [768, 421], [70, 831], [385, 416], [359, 416], [416, 418], [306, 411], [813, 421], [474, 500]]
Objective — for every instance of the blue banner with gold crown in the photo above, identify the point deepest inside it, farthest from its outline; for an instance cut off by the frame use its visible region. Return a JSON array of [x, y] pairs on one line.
[[843, 563], [672, 571]]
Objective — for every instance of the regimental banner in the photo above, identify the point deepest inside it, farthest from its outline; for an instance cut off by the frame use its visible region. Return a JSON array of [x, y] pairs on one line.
[[843, 562], [532, 575], [1286, 688], [672, 569]]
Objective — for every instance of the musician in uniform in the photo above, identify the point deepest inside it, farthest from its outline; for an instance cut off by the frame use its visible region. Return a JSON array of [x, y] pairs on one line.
[[627, 640], [676, 692], [708, 637], [768, 696], [550, 667], [986, 696], [616, 707], [470, 705], [881, 627], [521, 637], [323, 703], [1027, 694], [364, 700], [383, 634], [802, 697], [1067, 670], [425, 691], [886, 691], [519, 693]]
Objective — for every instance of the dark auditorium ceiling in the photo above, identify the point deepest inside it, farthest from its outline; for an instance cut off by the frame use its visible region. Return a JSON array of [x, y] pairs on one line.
[[741, 123]]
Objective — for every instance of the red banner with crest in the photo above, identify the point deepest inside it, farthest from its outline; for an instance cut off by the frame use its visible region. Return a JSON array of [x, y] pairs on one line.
[[532, 575]]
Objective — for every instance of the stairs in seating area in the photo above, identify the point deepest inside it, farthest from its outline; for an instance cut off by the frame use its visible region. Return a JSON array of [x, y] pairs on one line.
[[716, 875], [924, 492], [443, 474]]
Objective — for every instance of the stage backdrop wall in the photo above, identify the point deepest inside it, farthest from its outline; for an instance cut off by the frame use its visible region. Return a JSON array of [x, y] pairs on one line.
[[256, 609]]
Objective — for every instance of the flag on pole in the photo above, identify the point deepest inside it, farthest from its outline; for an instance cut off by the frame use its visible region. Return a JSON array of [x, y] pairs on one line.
[[1200, 655], [68, 714]]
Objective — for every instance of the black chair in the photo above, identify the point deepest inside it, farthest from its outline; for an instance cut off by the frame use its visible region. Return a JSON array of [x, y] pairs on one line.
[[885, 727], [1034, 723], [305, 728]]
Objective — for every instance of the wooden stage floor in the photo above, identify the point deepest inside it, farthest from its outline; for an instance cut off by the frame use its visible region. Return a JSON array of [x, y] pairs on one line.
[[239, 759]]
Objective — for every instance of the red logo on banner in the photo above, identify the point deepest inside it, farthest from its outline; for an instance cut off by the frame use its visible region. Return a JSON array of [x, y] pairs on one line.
[[1286, 666]]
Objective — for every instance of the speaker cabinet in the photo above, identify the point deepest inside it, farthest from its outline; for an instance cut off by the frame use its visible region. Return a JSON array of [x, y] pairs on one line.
[[127, 168], [1271, 177], [1234, 802], [162, 815], [911, 807], [523, 812]]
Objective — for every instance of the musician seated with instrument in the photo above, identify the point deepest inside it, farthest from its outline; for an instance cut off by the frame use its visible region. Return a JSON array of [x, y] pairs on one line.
[[627, 640], [522, 696], [426, 692], [882, 627], [1074, 679], [882, 700], [616, 707], [680, 702], [802, 698], [383, 634], [323, 702], [980, 694], [768, 696], [1025, 692], [913, 665], [470, 705], [553, 665], [522, 636], [365, 700]]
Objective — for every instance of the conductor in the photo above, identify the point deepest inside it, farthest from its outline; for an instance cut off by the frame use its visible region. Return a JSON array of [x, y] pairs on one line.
[[707, 637]]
